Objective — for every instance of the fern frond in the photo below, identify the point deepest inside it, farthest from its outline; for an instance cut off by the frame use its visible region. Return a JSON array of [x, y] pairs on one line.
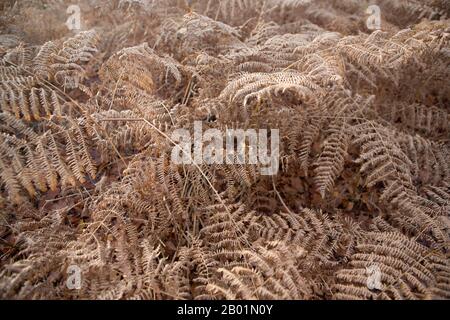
[[265, 85], [272, 274], [67, 62], [403, 267]]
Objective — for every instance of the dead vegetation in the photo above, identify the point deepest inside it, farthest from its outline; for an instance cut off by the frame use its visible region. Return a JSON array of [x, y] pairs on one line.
[[85, 171]]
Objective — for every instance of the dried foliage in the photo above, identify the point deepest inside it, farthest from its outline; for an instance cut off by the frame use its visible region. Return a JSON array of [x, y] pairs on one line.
[[86, 177]]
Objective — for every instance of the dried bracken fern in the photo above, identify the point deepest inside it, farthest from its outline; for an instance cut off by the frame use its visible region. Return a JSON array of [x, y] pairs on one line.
[[359, 207]]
